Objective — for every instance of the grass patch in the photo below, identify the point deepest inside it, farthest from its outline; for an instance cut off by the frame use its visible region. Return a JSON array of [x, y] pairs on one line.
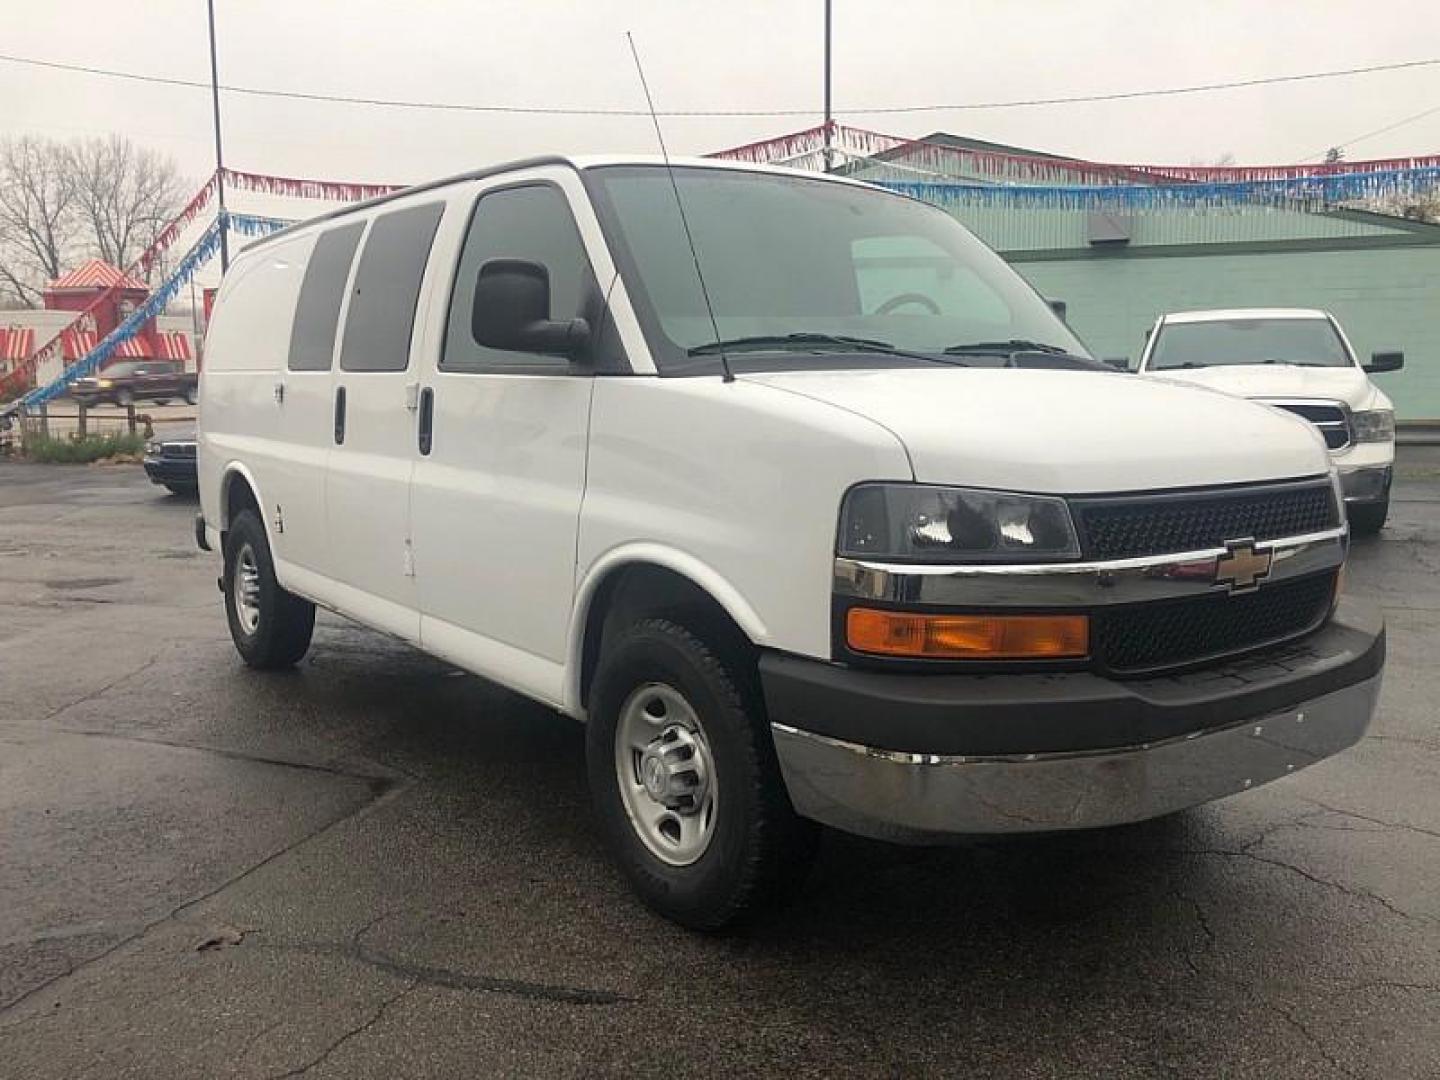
[[81, 451]]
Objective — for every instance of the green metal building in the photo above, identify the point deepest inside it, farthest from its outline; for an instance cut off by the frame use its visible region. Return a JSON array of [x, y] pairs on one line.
[[1378, 274]]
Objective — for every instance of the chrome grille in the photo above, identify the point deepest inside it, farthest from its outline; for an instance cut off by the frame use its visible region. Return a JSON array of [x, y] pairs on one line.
[[1125, 526], [177, 450], [1330, 417]]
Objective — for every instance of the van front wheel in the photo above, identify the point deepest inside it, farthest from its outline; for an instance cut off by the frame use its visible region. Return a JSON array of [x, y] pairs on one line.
[[271, 628], [685, 781]]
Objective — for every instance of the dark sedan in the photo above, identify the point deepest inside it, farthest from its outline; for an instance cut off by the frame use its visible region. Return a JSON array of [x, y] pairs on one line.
[[170, 462]]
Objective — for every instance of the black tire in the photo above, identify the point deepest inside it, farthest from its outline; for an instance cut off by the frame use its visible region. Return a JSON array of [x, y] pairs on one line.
[[760, 848], [1369, 518], [162, 401], [124, 399], [190, 395], [284, 622]]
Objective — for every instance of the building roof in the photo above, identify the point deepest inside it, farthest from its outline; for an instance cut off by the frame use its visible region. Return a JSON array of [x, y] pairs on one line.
[[96, 274]]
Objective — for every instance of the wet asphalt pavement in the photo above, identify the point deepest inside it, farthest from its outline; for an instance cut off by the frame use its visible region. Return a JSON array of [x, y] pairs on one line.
[[378, 866]]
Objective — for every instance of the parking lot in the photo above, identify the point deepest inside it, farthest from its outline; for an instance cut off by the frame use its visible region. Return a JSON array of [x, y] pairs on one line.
[[379, 866]]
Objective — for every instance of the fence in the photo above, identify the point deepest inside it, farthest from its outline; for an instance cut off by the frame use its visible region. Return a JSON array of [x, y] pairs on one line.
[[47, 423]]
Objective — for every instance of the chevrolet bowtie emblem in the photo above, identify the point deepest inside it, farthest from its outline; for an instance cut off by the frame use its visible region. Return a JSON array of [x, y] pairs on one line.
[[1242, 568]]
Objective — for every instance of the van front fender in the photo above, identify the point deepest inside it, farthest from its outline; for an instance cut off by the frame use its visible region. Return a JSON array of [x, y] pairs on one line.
[[696, 571]]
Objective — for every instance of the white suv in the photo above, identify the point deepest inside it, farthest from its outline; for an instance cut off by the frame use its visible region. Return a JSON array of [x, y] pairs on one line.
[[1299, 360], [825, 518]]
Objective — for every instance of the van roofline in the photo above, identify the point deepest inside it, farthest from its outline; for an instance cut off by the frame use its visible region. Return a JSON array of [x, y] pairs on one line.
[[580, 163]]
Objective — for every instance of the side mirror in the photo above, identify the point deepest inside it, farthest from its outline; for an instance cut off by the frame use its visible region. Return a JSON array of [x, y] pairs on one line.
[[1059, 307], [511, 311], [1385, 361], [1119, 363]]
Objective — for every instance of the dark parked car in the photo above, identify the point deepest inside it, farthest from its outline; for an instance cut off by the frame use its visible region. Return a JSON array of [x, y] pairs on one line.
[[160, 381], [170, 462]]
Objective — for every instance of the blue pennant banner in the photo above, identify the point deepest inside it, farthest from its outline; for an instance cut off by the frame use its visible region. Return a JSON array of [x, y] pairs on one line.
[[1306, 192], [203, 251]]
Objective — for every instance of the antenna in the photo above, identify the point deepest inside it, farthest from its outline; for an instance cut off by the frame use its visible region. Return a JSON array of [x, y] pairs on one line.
[[729, 376]]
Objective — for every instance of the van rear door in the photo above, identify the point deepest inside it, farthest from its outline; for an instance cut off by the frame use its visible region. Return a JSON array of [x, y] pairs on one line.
[[372, 402], [296, 481]]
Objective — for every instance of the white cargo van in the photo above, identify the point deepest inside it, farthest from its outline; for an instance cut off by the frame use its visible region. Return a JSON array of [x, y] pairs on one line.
[[1299, 360], [828, 519]]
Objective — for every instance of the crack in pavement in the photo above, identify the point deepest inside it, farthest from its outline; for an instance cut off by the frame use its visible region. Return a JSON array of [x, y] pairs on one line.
[[374, 1019], [1203, 920], [1250, 992], [1358, 894], [381, 791], [1310, 1037], [326, 767], [1388, 984], [151, 662], [1373, 820], [449, 978]]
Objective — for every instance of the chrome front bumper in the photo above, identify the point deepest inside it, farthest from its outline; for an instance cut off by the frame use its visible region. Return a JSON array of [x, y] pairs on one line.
[[1366, 484], [913, 797]]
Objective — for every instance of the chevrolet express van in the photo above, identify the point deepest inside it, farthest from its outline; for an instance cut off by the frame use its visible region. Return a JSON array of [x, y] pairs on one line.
[[1298, 360], [826, 518]]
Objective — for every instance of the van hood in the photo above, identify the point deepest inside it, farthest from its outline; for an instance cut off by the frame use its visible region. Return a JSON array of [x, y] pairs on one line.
[[1347, 384], [1066, 432]]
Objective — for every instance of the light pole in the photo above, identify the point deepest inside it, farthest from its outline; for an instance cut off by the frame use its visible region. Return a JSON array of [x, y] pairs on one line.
[[829, 150], [219, 154]]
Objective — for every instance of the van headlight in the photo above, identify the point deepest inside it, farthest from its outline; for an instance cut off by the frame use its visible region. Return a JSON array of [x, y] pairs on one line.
[[924, 523], [1373, 425]]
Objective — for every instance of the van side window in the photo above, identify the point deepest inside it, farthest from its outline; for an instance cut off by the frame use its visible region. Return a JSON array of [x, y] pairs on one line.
[[381, 315], [532, 223], [312, 334]]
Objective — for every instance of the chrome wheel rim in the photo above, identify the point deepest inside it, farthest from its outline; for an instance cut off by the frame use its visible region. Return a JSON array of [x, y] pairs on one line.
[[246, 589], [666, 774]]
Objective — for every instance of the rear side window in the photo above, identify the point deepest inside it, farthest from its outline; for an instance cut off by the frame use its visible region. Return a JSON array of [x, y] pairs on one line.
[[387, 284], [312, 335]]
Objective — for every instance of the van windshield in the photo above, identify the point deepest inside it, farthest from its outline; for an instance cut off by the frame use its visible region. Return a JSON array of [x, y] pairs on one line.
[[809, 272], [1310, 342]]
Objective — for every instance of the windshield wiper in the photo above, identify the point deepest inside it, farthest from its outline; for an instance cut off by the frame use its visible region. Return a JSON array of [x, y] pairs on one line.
[[1019, 353], [794, 341], [812, 342], [1005, 348]]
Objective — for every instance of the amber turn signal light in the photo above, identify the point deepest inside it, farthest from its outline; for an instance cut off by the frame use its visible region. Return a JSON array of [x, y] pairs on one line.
[[967, 637]]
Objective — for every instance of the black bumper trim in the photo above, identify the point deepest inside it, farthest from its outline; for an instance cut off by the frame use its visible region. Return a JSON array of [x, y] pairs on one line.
[[1065, 711], [180, 471]]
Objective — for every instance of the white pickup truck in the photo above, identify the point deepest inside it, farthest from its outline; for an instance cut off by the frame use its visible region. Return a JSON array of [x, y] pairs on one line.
[[823, 518], [1299, 360]]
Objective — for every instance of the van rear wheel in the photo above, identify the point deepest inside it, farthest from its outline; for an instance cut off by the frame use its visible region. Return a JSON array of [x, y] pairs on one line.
[[685, 781], [271, 628]]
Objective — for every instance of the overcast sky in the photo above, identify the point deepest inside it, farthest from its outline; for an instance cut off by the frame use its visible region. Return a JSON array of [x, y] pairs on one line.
[[741, 54]]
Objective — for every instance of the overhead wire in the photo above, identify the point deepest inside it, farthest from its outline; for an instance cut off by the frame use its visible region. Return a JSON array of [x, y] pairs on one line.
[[555, 110]]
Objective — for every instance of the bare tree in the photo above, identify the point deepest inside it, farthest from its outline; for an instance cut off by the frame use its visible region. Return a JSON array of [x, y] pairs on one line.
[[125, 195], [38, 223]]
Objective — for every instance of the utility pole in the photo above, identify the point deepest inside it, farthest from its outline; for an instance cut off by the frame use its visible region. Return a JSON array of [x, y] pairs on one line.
[[222, 217], [829, 150]]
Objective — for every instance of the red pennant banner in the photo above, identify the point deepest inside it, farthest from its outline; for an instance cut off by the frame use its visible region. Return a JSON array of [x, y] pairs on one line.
[[958, 162], [329, 190]]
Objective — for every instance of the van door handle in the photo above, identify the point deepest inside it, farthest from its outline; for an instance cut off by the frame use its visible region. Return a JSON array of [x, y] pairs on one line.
[[279, 393], [339, 416], [426, 427]]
